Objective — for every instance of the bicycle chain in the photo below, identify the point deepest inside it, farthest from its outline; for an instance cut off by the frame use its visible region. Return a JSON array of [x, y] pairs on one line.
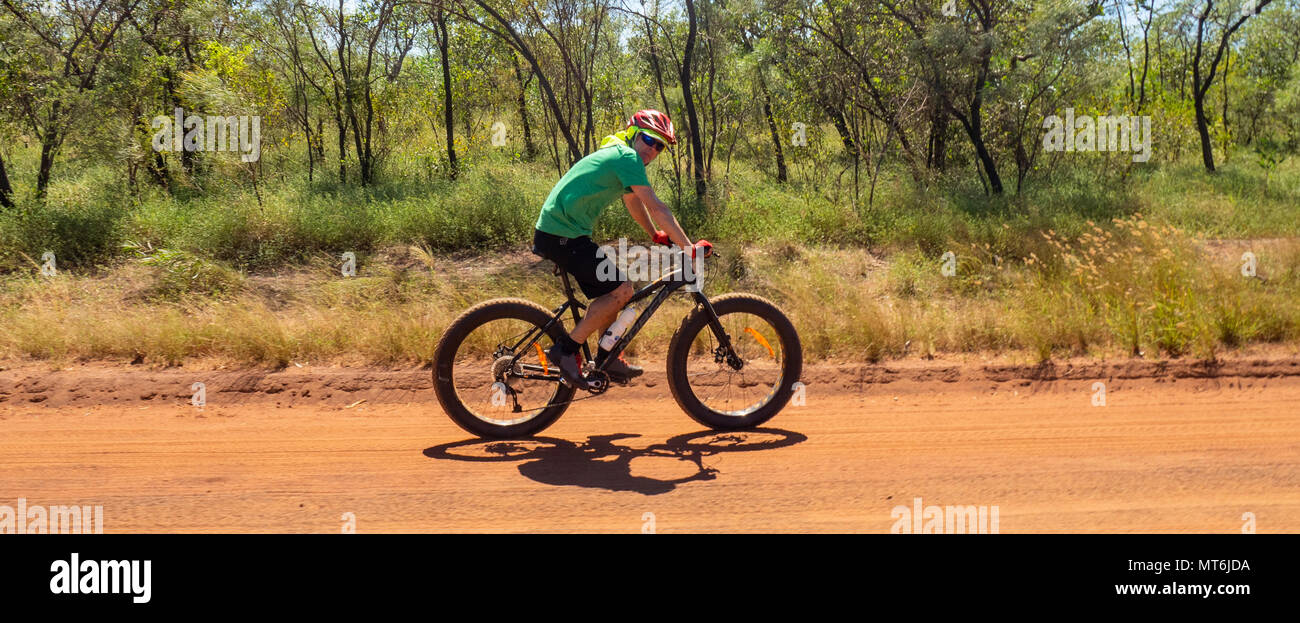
[[593, 395]]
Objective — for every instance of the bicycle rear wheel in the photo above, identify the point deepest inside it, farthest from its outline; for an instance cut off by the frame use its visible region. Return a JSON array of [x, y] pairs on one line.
[[490, 379], [725, 393]]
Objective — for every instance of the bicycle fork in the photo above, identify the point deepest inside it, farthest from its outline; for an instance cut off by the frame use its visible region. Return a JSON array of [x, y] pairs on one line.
[[724, 352]]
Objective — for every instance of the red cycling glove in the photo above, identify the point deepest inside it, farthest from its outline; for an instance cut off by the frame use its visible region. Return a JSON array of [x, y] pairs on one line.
[[661, 237], [702, 245]]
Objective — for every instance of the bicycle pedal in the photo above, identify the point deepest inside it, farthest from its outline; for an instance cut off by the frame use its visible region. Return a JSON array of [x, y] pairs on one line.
[[565, 382]]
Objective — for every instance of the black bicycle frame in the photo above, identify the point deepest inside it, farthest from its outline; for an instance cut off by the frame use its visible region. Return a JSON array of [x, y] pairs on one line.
[[665, 286]]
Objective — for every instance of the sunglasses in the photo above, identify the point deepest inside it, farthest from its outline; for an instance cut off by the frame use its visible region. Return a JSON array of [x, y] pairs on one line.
[[656, 145]]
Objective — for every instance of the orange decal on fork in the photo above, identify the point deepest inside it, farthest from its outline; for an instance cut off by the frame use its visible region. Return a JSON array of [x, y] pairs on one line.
[[762, 341]]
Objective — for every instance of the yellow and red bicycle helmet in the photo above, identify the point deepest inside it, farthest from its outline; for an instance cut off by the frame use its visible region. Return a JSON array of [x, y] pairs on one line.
[[656, 123]]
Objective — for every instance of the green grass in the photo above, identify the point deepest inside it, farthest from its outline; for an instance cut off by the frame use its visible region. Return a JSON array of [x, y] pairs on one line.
[[90, 212]]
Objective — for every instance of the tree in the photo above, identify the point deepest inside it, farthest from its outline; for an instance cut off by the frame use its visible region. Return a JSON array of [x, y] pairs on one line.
[[505, 23], [693, 133], [752, 28], [68, 47], [1215, 27], [444, 53]]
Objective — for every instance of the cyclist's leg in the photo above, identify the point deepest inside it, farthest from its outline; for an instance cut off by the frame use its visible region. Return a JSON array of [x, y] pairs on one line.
[[598, 278], [601, 313]]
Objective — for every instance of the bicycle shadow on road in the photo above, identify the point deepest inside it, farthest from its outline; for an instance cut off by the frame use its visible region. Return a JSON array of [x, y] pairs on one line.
[[599, 463]]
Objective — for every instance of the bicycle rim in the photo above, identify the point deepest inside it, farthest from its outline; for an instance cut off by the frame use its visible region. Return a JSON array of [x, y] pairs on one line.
[[491, 370], [718, 385]]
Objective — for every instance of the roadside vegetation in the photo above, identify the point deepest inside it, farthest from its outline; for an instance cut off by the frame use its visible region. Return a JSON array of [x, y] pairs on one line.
[[881, 170], [1025, 280]]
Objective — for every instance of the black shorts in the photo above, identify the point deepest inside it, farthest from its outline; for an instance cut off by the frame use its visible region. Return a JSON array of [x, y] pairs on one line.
[[597, 276]]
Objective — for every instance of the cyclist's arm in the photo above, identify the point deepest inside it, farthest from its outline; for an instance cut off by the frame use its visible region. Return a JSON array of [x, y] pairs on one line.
[[637, 209], [662, 216]]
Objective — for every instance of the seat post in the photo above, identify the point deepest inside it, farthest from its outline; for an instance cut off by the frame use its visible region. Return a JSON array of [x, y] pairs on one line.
[[564, 276], [574, 305]]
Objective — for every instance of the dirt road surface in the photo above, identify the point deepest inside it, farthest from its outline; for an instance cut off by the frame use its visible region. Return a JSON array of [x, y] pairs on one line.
[[1182, 447]]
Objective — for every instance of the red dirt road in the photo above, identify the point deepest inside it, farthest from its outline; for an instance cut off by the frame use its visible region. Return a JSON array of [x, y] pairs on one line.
[[1176, 448]]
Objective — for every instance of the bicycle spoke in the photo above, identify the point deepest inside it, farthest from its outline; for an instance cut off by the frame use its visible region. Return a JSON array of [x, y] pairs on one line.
[[725, 389], [490, 387]]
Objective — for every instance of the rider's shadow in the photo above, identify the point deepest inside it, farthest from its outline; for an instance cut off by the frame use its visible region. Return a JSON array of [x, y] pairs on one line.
[[599, 463]]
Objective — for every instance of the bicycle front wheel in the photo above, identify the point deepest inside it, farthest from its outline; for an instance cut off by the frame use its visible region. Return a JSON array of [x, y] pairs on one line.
[[748, 385]]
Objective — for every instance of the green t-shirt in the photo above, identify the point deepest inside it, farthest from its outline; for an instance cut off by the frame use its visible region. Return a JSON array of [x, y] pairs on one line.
[[588, 188]]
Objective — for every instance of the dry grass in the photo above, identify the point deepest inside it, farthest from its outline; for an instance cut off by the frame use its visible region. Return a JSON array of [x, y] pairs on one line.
[[1126, 288]]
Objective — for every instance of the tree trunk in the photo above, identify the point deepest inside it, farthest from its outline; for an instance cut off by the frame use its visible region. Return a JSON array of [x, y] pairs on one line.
[[1203, 129], [530, 149], [975, 130], [6, 191], [837, 117], [319, 145], [368, 158], [1227, 61], [49, 147], [47, 165], [1201, 84], [158, 169], [986, 159], [663, 97], [776, 134], [154, 162], [693, 125], [349, 97], [1022, 164], [938, 156], [173, 91], [343, 144], [306, 131], [975, 133], [1146, 60], [448, 117]]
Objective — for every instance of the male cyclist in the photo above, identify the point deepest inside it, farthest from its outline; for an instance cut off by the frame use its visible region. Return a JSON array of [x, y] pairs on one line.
[[616, 169]]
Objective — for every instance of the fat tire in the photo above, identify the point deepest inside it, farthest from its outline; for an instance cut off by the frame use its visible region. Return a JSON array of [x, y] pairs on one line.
[[697, 321], [444, 375]]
